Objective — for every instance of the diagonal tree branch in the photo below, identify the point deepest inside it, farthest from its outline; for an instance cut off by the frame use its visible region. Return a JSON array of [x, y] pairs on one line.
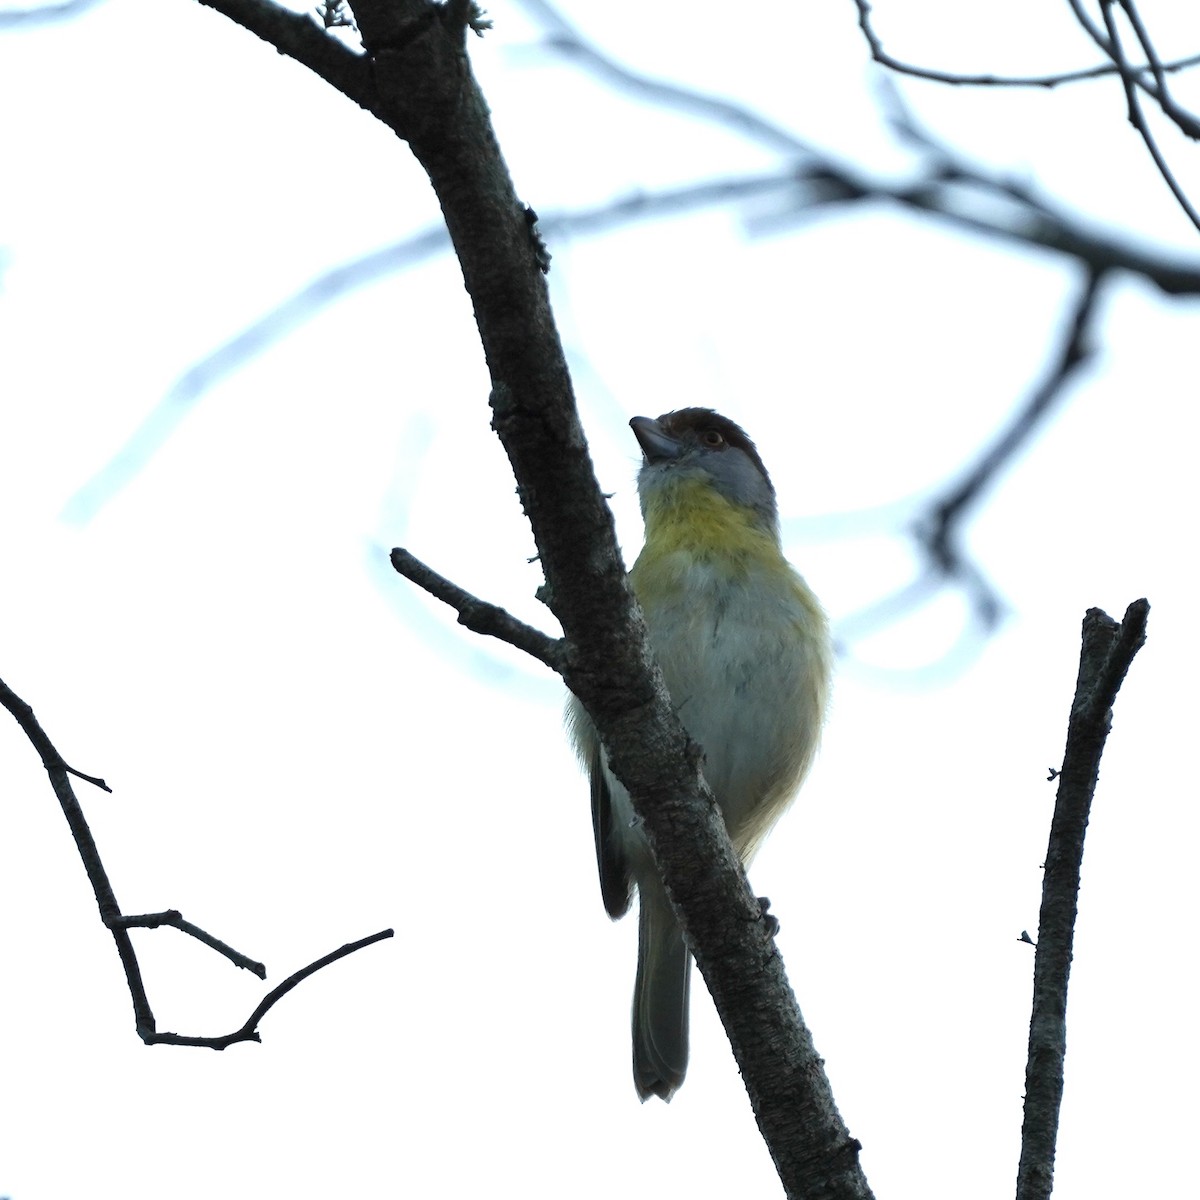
[[181, 398], [940, 535], [1187, 122], [1149, 77], [1108, 649], [1137, 118], [427, 94], [106, 900], [939, 532], [479, 616], [565, 39], [300, 37], [1155, 87]]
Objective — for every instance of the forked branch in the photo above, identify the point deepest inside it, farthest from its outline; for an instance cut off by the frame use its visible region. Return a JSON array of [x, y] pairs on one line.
[[119, 923], [1108, 649]]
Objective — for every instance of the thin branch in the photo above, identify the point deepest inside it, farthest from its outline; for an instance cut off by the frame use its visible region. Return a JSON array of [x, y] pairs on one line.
[[176, 920], [249, 1031], [119, 924], [823, 180], [430, 97], [951, 195], [45, 14], [1186, 121], [1108, 649], [106, 900], [92, 779], [180, 400], [565, 39], [1137, 118], [1149, 77], [956, 571], [805, 191], [881, 56], [939, 533], [479, 616]]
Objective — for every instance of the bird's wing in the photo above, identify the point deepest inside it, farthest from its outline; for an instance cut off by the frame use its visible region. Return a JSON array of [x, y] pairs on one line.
[[616, 880]]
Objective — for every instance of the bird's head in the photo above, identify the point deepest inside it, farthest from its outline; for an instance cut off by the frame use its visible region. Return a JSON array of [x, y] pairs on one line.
[[701, 470]]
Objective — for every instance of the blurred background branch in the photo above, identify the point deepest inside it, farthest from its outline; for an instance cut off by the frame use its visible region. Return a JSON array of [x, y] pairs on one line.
[[942, 186]]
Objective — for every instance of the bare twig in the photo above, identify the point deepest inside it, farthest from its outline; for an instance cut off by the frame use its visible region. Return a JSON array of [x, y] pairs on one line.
[[1155, 68], [1149, 77], [176, 920], [955, 79], [106, 900], [479, 616], [179, 401], [1032, 222], [92, 779], [118, 924], [1186, 121], [939, 534], [1137, 118], [45, 14], [1108, 650], [566, 40], [249, 1031]]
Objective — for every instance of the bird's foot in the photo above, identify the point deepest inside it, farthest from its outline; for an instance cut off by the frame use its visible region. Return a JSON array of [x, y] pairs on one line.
[[764, 905]]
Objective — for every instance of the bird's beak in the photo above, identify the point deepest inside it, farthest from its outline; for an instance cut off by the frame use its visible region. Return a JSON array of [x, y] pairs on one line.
[[657, 445]]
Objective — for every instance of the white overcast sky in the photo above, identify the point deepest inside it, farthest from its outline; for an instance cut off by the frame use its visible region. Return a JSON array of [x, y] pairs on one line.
[[304, 752]]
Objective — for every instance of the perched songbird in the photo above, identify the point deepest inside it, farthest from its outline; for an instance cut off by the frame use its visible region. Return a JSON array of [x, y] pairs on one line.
[[744, 649]]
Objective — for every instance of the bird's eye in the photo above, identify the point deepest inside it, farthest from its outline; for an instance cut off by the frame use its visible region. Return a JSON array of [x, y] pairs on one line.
[[712, 438]]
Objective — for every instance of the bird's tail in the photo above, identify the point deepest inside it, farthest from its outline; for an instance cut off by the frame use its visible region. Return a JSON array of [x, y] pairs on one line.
[[660, 999]]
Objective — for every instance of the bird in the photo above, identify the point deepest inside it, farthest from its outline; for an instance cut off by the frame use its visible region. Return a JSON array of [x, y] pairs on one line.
[[745, 652]]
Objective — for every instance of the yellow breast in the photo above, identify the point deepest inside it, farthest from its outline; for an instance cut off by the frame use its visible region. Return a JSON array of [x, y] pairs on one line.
[[689, 525]]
